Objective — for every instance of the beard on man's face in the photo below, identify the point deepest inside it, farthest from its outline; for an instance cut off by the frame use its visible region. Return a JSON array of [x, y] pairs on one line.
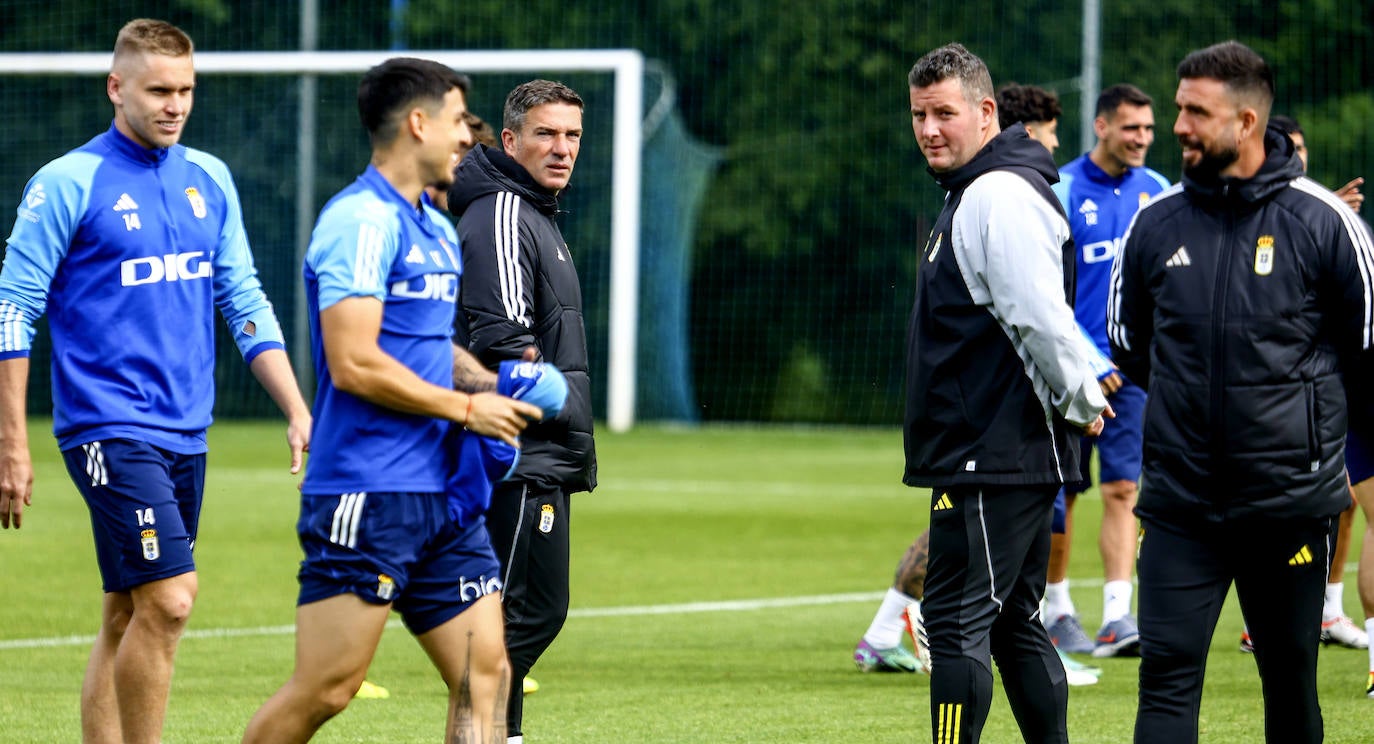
[[1214, 159]]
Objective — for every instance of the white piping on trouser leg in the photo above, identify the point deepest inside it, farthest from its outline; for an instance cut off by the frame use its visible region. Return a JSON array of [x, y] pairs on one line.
[[987, 554], [515, 539]]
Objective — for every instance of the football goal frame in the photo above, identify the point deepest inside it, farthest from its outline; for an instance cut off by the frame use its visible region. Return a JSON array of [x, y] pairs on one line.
[[627, 68]]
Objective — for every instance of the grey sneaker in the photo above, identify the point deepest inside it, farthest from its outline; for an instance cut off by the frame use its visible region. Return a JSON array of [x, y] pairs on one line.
[[1120, 637], [1066, 633]]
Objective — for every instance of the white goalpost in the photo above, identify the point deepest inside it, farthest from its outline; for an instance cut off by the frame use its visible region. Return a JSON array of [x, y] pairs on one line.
[[627, 67]]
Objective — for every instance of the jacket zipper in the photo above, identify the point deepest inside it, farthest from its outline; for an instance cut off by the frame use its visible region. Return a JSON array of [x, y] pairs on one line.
[[1219, 305]]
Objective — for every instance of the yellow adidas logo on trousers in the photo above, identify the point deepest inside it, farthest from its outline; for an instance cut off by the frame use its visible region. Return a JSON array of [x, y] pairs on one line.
[[950, 715], [942, 503], [1301, 558]]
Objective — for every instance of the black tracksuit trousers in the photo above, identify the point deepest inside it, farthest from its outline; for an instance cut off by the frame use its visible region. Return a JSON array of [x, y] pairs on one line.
[[528, 525], [1279, 567], [989, 548]]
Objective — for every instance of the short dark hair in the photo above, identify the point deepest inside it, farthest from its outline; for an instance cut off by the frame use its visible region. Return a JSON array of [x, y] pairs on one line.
[[1242, 70], [953, 61], [535, 93], [396, 85], [1286, 124], [482, 132], [1026, 103], [1109, 100]]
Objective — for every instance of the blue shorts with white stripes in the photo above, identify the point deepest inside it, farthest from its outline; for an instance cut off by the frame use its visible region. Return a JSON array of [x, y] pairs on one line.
[[145, 507], [397, 548]]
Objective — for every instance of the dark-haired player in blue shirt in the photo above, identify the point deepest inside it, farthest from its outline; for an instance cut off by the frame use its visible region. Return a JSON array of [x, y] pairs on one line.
[[381, 281]]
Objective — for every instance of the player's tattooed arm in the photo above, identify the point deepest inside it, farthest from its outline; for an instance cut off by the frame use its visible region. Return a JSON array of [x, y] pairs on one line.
[[911, 572], [469, 376]]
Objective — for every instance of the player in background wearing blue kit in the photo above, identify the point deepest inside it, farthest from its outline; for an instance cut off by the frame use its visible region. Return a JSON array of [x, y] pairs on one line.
[[376, 524], [130, 242], [1101, 191]]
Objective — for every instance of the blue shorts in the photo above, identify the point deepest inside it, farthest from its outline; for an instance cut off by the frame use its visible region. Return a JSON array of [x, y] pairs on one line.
[[1359, 455], [1119, 444], [396, 548], [1059, 524], [145, 508]]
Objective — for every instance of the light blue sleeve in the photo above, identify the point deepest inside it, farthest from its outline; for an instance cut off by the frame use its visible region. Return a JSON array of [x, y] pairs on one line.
[[46, 221], [1062, 189], [1158, 178], [352, 248], [238, 292]]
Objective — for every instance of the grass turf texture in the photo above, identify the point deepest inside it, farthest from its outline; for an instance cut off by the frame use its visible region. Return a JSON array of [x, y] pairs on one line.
[[683, 516]]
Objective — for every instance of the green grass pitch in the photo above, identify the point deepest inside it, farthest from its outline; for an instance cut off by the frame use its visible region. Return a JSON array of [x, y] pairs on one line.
[[721, 577]]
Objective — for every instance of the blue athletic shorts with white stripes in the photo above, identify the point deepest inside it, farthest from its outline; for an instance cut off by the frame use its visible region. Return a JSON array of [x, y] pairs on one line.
[[397, 548], [145, 507]]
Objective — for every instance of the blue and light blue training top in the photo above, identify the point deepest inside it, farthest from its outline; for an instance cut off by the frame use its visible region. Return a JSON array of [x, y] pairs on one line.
[[1100, 209], [370, 241], [129, 250]]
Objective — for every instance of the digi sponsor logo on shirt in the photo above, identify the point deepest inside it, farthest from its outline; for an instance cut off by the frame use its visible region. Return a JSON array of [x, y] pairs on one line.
[[1102, 250], [442, 287], [169, 268]]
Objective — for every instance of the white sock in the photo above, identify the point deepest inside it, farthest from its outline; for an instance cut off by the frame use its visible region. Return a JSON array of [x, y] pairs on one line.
[[1057, 602], [1116, 600], [889, 624], [1333, 608], [515, 740]]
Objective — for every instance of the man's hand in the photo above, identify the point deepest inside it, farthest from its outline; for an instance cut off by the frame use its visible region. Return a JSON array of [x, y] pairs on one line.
[[298, 439], [1111, 383], [16, 484], [1350, 193], [1095, 428], [494, 415]]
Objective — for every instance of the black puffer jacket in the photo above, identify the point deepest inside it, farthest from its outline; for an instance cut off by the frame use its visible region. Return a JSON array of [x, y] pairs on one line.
[[1238, 303], [520, 289]]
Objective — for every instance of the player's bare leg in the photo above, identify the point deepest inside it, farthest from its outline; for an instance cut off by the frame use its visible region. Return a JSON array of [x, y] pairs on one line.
[[1364, 496], [1117, 540], [1059, 614], [470, 653], [99, 708], [1060, 545], [1337, 628], [140, 670], [335, 641], [911, 571]]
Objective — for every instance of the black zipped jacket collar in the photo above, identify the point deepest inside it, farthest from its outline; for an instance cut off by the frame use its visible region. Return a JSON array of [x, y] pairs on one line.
[[486, 170]]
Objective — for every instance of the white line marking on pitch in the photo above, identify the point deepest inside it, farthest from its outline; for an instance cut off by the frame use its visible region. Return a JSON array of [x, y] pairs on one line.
[[738, 605]]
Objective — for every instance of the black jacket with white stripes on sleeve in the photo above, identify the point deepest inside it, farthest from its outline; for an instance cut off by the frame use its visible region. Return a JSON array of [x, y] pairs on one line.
[[520, 289], [1240, 304], [998, 374]]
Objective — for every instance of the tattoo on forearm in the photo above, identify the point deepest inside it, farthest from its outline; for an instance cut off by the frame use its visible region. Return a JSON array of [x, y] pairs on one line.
[[911, 571], [469, 376], [473, 381]]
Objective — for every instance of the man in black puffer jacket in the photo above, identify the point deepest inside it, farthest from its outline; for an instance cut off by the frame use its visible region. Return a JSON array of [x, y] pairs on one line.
[[1239, 299], [519, 292]]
